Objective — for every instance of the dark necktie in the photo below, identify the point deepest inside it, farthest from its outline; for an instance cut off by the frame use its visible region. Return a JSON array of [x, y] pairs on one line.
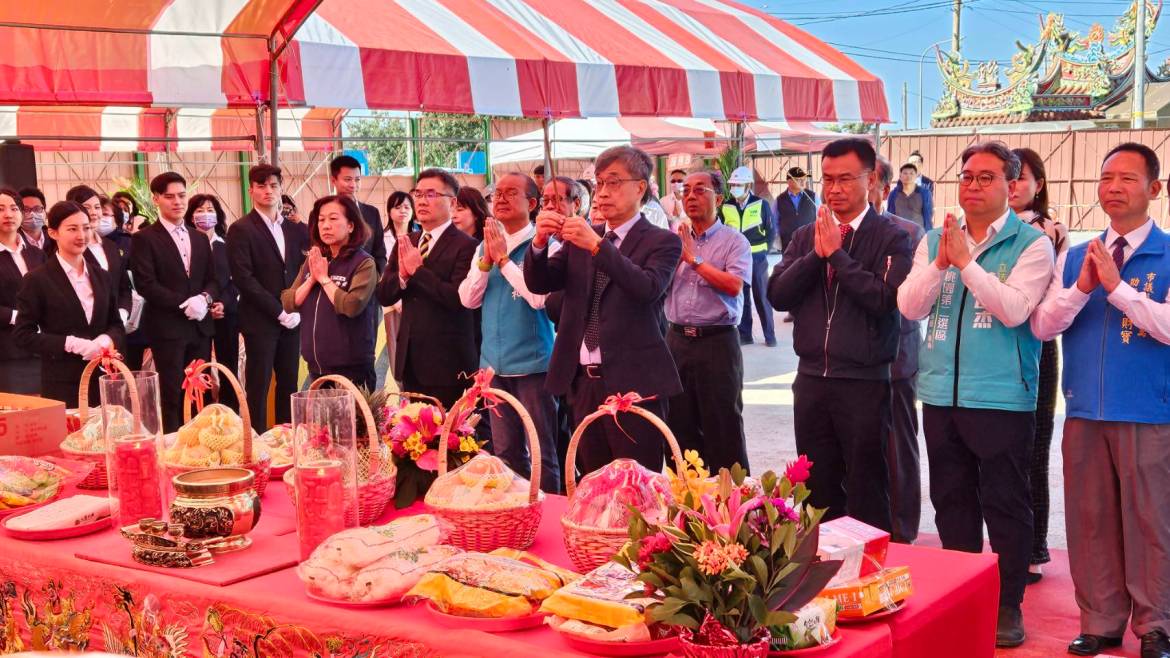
[[424, 245], [593, 318], [1119, 252], [845, 231]]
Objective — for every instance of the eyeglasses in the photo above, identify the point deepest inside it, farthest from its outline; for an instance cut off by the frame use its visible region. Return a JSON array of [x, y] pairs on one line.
[[429, 195], [828, 182], [511, 194], [677, 182], [614, 183], [699, 190], [985, 178], [547, 201], [32, 209]]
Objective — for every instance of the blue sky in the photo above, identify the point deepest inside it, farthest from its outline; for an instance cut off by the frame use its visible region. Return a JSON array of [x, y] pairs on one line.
[[888, 36]]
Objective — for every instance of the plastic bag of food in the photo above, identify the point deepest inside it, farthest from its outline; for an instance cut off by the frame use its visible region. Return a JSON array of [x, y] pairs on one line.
[[214, 437], [484, 483], [603, 497], [279, 443], [89, 437], [483, 585]]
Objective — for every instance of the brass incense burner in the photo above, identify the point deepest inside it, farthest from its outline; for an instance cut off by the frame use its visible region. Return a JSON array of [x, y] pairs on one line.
[[218, 506]]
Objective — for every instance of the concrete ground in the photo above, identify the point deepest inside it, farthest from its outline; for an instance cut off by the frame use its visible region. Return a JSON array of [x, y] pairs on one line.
[[767, 396]]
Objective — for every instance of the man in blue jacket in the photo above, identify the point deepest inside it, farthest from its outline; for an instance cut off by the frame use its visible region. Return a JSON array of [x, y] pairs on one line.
[[839, 278], [1108, 298], [978, 282]]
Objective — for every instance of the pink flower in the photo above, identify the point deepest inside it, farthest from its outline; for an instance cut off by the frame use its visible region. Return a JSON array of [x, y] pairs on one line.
[[656, 543], [785, 510], [798, 470], [429, 461]]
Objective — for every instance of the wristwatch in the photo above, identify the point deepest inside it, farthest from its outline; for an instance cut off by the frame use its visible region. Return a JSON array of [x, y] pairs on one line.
[[698, 260]]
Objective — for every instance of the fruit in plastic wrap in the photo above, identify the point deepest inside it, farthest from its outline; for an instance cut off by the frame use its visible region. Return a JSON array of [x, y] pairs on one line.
[[484, 585], [89, 437], [214, 437], [602, 497], [484, 482], [279, 441], [25, 481]]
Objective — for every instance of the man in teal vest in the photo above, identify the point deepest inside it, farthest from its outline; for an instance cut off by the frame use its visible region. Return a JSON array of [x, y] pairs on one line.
[[752, 216], [978, 282], [1109, 300], [517, 334]]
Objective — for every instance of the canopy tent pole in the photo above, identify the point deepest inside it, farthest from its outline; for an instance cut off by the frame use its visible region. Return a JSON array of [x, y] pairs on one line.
[[487, 150], [273, 99], [739, 130], [549, 172]]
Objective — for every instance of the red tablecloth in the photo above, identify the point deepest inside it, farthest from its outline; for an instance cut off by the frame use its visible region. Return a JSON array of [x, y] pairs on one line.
[[51, 599]]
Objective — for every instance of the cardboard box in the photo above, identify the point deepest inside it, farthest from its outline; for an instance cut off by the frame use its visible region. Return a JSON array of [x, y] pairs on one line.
[[860, 547], [35, 428], [875, 592]]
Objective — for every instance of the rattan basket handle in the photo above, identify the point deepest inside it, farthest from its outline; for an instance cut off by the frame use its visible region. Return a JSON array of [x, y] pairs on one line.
[[407, 395], [83, 391], [469, 400], [571, 456], [371, 426], [245, 416]]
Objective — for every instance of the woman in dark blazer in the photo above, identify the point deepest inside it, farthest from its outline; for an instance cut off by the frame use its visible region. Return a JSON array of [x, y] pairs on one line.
[[103, 250], [206, 215], [67, 310], [20, 371]]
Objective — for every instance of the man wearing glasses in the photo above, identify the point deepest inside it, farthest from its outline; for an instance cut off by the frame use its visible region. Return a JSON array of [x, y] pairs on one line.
[[615, 277], [839, 278], [32, 223], [703, 308], [436, 342], [978, 281]]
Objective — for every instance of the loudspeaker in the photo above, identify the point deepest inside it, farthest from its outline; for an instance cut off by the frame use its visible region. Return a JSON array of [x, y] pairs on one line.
[[18, 165]]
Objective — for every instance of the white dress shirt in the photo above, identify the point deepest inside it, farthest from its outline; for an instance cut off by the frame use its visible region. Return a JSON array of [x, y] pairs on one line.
[[182, 238], [1010, 301], [1061, 305], [82, 286], [38, 241], [274, 227], [435, 234], [17, 257], [589, 356], [472, 289]]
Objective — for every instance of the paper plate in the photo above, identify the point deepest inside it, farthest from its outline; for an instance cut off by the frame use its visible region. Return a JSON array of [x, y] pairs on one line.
[[486, 624], [56, 533], [808, 651], [355, 604], [874, 617], [597, 647]]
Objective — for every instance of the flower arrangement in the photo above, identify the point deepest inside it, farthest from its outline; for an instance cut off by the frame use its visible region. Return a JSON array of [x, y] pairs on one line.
[[731, 562], [413, 429]]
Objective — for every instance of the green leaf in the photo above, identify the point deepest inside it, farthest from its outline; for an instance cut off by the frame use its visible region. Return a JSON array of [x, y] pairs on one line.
[[684, 620], [768, 481], [780, 618], [651, 578], [738, 474], [758, 609], [790, 544], [760, 568]]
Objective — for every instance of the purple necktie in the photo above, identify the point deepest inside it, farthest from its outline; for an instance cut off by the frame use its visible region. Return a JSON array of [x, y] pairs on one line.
[[1119, 252]]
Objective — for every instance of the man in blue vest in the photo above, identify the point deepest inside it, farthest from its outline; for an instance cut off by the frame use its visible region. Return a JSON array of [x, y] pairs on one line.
[[752, 216], [517, 334], [978, 282], [1109, 300]]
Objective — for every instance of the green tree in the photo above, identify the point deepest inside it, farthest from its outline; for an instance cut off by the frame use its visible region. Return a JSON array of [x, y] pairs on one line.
[[389, 154], [851, 128]]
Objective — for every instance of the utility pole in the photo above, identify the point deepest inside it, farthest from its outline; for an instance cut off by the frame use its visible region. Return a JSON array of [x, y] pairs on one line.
[[905, 105], [1139, 68], [955, 27]]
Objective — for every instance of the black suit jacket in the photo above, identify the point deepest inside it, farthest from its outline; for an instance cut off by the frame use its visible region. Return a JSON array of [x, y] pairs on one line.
[[791, 218], [49, 310], [436, 329], [163, 283], [10, 281], [119, 271], [376, 244], [634, 355], [259, 273], [906, 365]]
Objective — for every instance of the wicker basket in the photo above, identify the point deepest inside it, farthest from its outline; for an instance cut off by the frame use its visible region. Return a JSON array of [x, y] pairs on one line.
[[261, 467], [590, 548], [98, 477], [486, 530]]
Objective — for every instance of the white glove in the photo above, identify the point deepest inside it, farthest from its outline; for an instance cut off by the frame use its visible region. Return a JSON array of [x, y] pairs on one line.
[[289, 320], [195, 308], [125, 315], [103, 342], [83, 347], [14, 314]]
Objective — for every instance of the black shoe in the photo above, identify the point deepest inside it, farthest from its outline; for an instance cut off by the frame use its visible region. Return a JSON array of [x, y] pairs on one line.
[[1091, 645], [771, 342], [1034, 577], [745, 341], [1009, 628], [788, 317], [1155, 644]]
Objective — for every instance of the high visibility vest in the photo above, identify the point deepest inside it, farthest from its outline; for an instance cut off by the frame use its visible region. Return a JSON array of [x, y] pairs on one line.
[[751, 223]]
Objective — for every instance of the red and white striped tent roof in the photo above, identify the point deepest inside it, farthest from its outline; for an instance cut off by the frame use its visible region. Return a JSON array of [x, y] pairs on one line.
[[537, 58]]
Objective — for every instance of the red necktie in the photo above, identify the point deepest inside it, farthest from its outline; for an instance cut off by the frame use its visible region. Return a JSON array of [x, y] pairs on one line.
[[845, 231]]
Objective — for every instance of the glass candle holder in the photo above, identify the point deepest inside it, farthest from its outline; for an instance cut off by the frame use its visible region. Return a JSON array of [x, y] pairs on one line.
[[324, 465], [132, 430]]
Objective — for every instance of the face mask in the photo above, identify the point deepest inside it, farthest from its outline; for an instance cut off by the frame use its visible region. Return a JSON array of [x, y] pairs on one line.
[[738, 191], [106, 226], [676, 188], [33, 222], [205, 221]]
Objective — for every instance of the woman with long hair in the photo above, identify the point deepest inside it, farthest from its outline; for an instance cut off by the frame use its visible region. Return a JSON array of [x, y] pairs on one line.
[[471, 212], [205, 215], [20, 370], [1029, 200], [399, 223], [333, 292]]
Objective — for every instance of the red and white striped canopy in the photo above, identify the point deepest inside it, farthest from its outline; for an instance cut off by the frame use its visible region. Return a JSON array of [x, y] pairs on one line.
[[537, 58]]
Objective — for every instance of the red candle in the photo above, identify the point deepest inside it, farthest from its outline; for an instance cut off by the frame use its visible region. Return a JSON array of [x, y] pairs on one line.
[[138, 478], [320, 503]]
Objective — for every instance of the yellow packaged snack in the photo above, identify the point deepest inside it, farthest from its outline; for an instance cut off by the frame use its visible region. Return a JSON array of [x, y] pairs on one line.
[[482, 585], [872, 593], [599, 602]]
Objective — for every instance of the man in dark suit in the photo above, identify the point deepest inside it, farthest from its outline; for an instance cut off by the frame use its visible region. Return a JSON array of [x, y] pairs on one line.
[[264, 253], [795, 207], [32, 225], [436, 341], [345, 172], [610, 339], [173, 273]]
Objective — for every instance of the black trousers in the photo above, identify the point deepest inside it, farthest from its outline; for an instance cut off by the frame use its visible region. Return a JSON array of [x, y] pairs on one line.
[[902, 459], [227, 352], [268, 354], [170, 358], [979, 460], [756, 293], [22, 376], [708, 415], [604, 441], [1046, 391], [842, 425], [362, 375]]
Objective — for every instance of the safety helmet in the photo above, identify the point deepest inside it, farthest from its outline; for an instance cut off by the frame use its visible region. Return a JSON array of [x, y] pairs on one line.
[[741, 176]]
